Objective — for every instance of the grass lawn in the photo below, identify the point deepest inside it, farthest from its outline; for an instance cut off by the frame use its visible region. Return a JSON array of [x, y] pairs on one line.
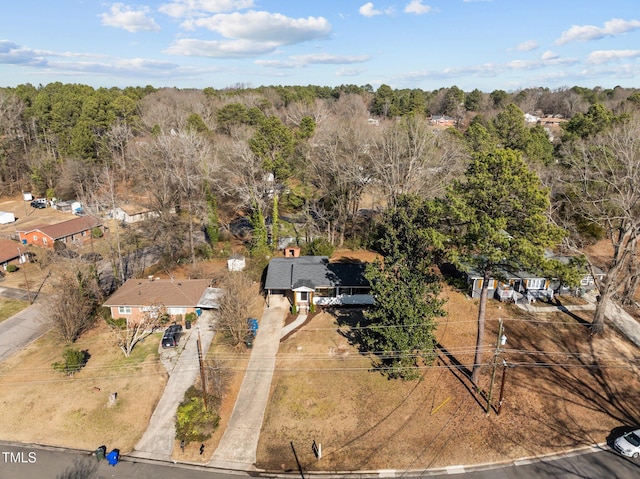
[[9, 307], [567, 389], [44, 406]]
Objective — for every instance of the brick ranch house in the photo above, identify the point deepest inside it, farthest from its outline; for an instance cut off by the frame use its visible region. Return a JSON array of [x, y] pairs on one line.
[[69, 232], [178, 296], [12, 253]]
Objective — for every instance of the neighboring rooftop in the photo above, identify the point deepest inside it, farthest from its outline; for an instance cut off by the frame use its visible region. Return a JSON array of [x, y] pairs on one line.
[[170, 293]]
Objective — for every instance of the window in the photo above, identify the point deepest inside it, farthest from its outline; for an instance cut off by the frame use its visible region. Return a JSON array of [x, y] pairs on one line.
[[325, 292], [44, 241], [124, 309], [360, 291], [537, 283], [587, 280]]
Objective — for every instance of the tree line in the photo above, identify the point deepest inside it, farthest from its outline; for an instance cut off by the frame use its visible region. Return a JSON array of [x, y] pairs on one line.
[[318, 162]]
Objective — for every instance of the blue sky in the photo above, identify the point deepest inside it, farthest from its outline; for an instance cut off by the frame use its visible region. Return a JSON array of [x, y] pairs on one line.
[[428, 44]]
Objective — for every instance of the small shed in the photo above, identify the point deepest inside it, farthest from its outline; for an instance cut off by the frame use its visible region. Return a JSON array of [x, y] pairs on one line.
[[236, 262], [69, 206], [6, 217]]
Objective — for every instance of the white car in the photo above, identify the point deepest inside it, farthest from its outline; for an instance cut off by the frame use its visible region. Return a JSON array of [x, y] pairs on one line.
[[628, 444]]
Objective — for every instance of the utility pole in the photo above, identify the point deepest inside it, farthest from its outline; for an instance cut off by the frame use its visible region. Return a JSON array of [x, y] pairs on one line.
[[202, 375], [505, 366], [501, 341], [23, 267]]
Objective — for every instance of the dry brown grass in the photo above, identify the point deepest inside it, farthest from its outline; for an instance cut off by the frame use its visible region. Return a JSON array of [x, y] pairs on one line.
[[43, 406], [324, 390]]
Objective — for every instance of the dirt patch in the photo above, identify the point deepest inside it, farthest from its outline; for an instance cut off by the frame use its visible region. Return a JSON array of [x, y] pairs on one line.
[[563, 389], [43, 406]]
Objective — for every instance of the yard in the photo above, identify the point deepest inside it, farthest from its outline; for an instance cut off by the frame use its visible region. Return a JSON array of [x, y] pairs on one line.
[[41, 405], [568, 390]]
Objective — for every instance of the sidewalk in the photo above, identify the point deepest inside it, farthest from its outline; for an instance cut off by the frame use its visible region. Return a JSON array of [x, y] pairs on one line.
[[158, 440], [237, 448]]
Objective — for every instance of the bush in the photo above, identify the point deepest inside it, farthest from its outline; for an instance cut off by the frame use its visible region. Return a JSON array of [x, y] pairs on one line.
[[12, 268], [318, 247], [203, 251], [73, 361], [193, 422], [97, 232]]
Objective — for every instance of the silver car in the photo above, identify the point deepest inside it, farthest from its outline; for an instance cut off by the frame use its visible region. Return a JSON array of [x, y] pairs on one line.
[[628, 444]]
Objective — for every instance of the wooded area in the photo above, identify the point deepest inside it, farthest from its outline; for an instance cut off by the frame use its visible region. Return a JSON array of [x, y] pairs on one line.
[[314, 162]]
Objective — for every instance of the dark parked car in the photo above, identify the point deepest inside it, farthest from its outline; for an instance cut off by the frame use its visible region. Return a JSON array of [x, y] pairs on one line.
[[39, 203], [171, 336]]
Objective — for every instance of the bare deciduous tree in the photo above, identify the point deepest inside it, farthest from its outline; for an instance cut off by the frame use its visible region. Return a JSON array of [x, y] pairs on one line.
[[605, 175], [73, 304], [235, 307], [341, 168], [127, 333]]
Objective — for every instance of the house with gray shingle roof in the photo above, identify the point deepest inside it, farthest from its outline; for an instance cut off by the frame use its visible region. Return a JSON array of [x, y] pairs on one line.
[[308, 280], [178, 296]]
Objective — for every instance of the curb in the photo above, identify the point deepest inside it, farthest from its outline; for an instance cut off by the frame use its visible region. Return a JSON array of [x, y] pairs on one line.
[[136, 456]]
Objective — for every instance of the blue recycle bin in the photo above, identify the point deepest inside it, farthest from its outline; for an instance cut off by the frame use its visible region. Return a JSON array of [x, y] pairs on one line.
[[113, 457]]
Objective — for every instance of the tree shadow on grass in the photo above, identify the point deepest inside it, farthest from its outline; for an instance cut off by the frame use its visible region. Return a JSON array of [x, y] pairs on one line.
[[565, 366]]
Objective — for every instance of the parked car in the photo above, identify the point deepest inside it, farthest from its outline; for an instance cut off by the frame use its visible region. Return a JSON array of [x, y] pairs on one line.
[[171, 336], [628, 444], [40, 203]]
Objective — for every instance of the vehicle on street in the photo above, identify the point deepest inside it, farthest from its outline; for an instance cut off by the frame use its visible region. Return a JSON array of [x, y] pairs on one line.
[[171, 336], [628, 444]]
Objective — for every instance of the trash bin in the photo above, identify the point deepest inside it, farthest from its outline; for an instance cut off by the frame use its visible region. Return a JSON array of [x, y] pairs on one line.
[[101, 453], [113, 457], [187, 324]]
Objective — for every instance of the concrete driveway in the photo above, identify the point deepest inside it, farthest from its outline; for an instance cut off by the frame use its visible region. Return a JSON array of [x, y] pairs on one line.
[[158, 440], [237, 448]]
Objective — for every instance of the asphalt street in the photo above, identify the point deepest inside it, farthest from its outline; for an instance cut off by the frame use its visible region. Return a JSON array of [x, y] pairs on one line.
[[22, 329], [29, 462]]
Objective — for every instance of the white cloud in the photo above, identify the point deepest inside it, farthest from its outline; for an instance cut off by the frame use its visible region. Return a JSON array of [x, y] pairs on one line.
[[122, 16], [368, 10], [605, 56], [13, 54], [267, 27], [196, 8], [220, 49], [416, 7], [584, 33], [549, 55], [330, 59], [349, 72], [526, 46], [281, 64], [297, 61]]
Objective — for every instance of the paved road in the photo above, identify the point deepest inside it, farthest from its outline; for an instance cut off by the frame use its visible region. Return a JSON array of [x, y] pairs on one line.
[[237, 448], [158, 440], [28, 462], [49, 463], [21, 329]]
